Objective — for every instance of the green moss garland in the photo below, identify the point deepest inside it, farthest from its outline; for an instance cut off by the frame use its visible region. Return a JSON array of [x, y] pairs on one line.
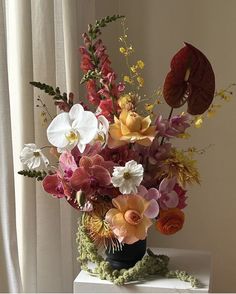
[[150, 265]]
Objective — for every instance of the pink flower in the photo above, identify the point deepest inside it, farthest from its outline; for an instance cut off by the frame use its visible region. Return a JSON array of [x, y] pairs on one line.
[[92, 94], [173, 127], [106, 108], [86, 62], [158, 152], [92, 175], [57, 186], [67, 164], [151, 195], [171, 194]]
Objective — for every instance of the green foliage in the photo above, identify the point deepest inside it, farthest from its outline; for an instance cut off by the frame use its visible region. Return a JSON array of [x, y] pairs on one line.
[[94, 30], [56, 93], [39, 175]]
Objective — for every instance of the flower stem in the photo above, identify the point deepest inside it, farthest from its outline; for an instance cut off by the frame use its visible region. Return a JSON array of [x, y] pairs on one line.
[[169, 117]]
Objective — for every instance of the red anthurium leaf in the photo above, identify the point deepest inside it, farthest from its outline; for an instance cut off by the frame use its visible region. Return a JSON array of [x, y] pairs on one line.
[[190, 80]]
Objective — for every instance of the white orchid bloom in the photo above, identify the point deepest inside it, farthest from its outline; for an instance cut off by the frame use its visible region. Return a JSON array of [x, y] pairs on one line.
[[128, 177], [33, 157], [76, 127], [102, 132]]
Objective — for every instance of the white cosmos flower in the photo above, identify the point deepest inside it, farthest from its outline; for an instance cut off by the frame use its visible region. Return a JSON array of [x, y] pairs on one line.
[[128, 177], [32, 156], [76, 127], [102, 132]]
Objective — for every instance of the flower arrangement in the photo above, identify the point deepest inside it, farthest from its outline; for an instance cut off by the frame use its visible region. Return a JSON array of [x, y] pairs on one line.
[[114, 152]]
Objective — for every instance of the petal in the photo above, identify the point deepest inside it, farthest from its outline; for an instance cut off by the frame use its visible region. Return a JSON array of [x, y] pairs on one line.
[[52, 184], [173, 200], [57, 130], [81, 147], [87, 127], [115, 131], [141, 229], [120, 202], [152, 194], [136, 202], [76, 112], [80, 179], [142, 191], [85, 162], [123, 116], [167, 185], [101, 174], [146, 123], [153, 209]]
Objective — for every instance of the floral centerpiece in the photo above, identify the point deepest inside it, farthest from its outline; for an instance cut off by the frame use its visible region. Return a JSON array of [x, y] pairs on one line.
[[115, 160]]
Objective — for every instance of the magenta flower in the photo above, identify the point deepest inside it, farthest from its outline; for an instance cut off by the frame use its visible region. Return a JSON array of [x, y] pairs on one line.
[[92, 175], [151, 195]]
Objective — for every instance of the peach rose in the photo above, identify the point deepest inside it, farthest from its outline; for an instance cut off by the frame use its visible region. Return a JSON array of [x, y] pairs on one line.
[[170, 221], [128, 220], [131, 127]]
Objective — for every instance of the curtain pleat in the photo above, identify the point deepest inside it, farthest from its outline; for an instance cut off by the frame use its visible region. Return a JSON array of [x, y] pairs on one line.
[[20, 69], [10, 280]]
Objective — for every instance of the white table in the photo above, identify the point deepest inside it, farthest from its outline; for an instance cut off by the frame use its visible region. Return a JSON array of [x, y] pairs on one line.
[[197, 263]]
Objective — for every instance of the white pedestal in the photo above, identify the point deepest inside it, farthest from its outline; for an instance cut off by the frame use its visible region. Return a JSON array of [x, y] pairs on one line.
[[197, 263]]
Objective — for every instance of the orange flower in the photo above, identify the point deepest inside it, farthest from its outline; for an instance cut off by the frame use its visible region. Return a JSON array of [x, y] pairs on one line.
[[127, 220], [170, 221], [131, 127]]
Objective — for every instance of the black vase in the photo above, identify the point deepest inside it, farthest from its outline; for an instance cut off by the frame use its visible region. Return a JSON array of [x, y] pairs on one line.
[[128, 256]]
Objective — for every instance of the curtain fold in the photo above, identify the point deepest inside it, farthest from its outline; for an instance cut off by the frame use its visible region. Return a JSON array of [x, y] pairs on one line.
[[10, 280]]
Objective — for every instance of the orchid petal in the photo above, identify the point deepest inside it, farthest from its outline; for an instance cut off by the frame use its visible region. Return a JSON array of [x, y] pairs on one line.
[[153, 209], [76, 112], [56, 131]]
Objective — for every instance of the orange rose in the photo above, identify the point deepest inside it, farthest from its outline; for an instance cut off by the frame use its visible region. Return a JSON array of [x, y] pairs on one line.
[[127, 220], [131, 127], [170, 221]]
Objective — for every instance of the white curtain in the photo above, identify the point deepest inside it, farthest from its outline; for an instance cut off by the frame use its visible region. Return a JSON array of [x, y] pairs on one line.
[[39, 41]]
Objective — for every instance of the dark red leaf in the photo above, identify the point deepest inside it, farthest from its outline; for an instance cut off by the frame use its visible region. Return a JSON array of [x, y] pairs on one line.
[[190, 80]]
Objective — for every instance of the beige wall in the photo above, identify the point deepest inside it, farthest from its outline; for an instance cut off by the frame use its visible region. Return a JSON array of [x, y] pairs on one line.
[[158, 29]]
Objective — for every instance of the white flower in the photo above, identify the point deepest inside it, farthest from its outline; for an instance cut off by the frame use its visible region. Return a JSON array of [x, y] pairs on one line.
[[33, 156], [128, 177], [76, 127], [102, 132]]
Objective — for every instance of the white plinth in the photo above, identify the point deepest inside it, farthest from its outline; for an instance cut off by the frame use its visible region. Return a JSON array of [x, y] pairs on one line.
[[197, 263]]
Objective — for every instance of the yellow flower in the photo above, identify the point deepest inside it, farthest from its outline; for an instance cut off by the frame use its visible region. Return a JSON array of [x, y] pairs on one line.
[[124, 100], [181, 166], [122, 50], [140, 64], [127, 79], [149, 107], [131, 127], [133, 68], [127, 220], [140, 81], [97, 227], [198, 122]]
